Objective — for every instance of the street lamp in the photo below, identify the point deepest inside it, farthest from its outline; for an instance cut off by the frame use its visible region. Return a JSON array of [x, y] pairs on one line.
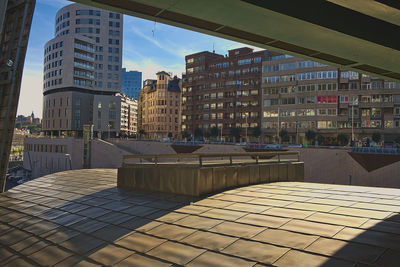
[[246, 125], [108, 126]]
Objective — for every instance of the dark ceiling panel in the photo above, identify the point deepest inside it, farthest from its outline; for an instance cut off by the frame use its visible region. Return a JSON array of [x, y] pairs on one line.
[[293, 48], [391, 3], [335, 59], [132, 6], [338, 18], [192, 21], [371, 69], [245, 35]]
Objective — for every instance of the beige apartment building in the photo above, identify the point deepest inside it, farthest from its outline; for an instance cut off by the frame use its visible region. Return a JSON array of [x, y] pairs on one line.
[[301, 95], [159, 107], [129, 112]]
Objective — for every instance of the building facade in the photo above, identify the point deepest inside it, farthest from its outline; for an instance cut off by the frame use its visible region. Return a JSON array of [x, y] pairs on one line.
[[160, 107], [129, 114], [223, 91], [131, 83], [82, 72], [301, 95]]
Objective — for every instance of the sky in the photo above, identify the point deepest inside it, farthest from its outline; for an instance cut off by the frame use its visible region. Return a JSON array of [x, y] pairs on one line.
[[143, 50]]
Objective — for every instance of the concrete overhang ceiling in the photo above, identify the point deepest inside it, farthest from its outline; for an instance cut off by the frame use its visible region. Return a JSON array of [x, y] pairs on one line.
[[359, 35]]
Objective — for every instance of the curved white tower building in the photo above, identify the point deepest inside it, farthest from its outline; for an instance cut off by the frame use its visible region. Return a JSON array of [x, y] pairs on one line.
[[82, 72]]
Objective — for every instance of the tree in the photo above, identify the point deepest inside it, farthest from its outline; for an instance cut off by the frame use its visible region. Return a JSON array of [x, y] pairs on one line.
[[235, 132], [310, 135], [198, 132], [214, 131], [320, 139], [342, 139], [284, 135], [170, 135], [376, 137], [207, 134]]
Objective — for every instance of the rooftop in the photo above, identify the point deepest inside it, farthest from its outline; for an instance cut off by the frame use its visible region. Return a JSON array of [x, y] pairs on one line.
[[81, 217]]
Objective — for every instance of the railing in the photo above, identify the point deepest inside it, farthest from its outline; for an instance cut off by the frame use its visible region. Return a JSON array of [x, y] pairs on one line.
[[200, 156], [376, 150]]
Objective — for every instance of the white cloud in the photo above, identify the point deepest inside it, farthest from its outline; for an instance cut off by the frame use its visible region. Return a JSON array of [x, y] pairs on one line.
[[168, 46], [149, 67]]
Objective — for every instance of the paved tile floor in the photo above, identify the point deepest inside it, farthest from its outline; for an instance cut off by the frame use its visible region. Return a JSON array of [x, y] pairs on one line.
[[80, 218]]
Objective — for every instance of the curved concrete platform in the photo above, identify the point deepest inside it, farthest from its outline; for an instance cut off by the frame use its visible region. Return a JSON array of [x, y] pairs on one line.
[[81, 218]]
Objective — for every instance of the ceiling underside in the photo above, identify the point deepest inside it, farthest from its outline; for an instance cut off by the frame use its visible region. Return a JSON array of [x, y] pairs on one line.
[[359, 35]]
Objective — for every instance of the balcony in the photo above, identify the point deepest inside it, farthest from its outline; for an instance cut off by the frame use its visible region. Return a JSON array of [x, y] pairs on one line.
[[84, 47]]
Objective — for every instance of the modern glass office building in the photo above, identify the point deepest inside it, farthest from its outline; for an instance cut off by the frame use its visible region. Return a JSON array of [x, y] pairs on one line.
[[131, 83]]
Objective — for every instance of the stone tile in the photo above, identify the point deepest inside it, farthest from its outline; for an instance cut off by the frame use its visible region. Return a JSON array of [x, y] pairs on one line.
[[209, 240], [111, 233], [312, 207], [34, 248], [171, 232], [176, 253], [388, 259], [270, 202], [346, 250], [40, 228], [290, 197], [263, 220], [298, 258], [235, 198], [71, 261], [88, 225], [376, 206], [140, 242], [50, 255], [5, 254], [82, 243], [247, 207], [73, 207], [167, 216], [237, 229], [193, 209], [12, 237], [337, 219], [17, 262], [110, 255], [23, 244], [373, 214], [218, 260], [198, 222], [224, 214], [93, 212], [383, 226], [285, 238], [370, 237], [256, 251], [312, 228], [115, 218], [68, 219], [139, 211], [213, 203], [137, 260], [135, 222], [288, 213], [333, 202]]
